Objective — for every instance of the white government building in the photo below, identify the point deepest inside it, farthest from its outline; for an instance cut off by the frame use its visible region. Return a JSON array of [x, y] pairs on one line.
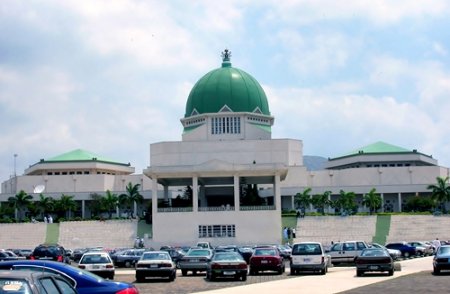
[[226, 148]]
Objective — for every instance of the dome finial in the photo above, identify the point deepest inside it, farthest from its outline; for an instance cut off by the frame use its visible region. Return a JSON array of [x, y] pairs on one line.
[[226, 54]]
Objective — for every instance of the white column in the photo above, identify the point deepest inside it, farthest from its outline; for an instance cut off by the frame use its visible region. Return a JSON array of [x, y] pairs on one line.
[[277, 190], [237, 204], [154, 196], [382, 202], [195, 193]]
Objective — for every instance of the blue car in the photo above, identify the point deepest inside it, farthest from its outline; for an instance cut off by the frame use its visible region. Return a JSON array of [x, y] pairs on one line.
[[84, 281]]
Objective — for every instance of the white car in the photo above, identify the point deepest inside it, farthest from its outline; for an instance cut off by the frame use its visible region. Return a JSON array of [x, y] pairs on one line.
[[99, 263], [155, 264], [309, 256]]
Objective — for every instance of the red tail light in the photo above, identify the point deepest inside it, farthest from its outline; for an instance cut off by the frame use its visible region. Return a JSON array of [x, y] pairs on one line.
[[215, 266], [32, 257], [109, 266], [242, 266], [82, 266], [132, 290], [166, 265], [59, 258], [323, 259]]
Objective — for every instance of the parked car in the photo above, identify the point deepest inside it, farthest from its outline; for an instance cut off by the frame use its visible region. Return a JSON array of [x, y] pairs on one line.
[[309, 256], [175, 254], [246, 252], [50, 252], [227, 264], [31, 282], [195, 260], [85, 282], [345, 252], [394, 253], [22, 252], [285, 251], [266, 258], [155, 264], [423, 248], [205, 245], [441, 260], [374, 260], [4, 255], [405, 249], [99, 263], [128, 258], [78, 253]]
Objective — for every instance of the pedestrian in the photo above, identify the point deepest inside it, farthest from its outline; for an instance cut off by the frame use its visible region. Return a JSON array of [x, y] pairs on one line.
[[289, 232], [436, 244], [298, 212], [285, 234], [50, 219], [294, 233], [45, 219]]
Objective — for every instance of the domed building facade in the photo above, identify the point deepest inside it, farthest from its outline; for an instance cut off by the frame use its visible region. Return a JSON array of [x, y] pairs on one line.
[[212, 179]]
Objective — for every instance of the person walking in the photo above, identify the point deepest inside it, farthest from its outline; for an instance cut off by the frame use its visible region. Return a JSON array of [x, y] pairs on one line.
[[294, 233]]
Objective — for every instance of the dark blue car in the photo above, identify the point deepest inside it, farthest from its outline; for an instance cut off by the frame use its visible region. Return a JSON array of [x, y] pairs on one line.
[[84, 281], [406, 249]]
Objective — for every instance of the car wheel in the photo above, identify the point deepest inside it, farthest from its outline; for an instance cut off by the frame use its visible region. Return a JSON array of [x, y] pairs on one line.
[[391, 272], [139, 278], [194, 273], [184, 272], [280, 271], [172, 277], [293, 272], [212, 277], [323, 271], [359, 273], [252, 272], [436, 271], [111, 276], [406, 254], [127, 264], [244, 277]]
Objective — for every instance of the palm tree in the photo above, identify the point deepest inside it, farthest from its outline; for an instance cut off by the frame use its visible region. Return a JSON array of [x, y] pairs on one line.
[[65, 205], [132, 197], [303, 199], [372, 200], [45, 204], [110, 202], [19, 202], [440, 191], [321, 201], [346, 202]]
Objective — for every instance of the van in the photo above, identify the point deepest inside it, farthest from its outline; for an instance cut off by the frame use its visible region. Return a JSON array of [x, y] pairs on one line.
[[345, 252], [309, 256]]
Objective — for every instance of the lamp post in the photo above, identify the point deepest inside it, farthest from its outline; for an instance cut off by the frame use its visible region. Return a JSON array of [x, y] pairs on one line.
[[15, 174]]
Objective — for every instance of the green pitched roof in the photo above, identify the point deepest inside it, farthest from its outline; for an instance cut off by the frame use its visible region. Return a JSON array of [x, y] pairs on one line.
[[80, 155], [226, 86], [378, 147]]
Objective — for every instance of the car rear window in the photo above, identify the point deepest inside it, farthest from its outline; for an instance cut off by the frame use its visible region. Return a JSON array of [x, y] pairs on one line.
[[12, 285], [47, 251], [306, 249]]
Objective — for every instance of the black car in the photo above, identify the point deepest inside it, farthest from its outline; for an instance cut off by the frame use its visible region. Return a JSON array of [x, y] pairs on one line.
[[128, 258], [5, 256], [53, 252]]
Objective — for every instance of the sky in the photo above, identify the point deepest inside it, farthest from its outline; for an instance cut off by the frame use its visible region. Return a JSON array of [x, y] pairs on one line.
[[113, 77]]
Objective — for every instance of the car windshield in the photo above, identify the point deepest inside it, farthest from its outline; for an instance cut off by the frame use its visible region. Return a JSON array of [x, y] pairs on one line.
[[265, 252], [198, 253], [307, 249], [155, 256], [444, 250], [374, 252], [13, 285], [95, 259], [227, 256]]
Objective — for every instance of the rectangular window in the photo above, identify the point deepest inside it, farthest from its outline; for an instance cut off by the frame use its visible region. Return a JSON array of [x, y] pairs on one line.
[[216, 231]]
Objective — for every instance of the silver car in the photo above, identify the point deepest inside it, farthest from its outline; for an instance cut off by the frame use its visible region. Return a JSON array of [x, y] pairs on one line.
[[394, 253]]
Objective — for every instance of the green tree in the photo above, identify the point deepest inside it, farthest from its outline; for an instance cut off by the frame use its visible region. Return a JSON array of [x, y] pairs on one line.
[[110, 202], [321, 201], [45, 204], [96, 204], [346, 202], [440, 192], [65, 205], [302, 200], [131, 197], [20, 202], [372, 200]]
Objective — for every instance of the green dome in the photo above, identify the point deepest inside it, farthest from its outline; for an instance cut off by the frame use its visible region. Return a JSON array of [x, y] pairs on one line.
[[226, 86]]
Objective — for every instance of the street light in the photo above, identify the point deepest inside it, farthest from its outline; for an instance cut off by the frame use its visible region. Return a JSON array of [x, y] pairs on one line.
[[15, 174]]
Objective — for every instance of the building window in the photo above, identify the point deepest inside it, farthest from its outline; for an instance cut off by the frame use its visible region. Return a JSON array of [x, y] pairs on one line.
[[216, 231], [225, 125]]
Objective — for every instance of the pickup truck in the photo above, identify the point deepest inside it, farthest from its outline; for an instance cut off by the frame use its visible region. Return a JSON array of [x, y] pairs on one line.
[[345, 252]]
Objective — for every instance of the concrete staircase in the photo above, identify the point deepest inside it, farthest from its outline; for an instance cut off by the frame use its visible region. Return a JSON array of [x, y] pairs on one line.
[[22, 235], [418, 228]]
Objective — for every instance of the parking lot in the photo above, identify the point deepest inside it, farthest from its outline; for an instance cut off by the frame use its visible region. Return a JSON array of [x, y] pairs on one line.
[[415, 277]]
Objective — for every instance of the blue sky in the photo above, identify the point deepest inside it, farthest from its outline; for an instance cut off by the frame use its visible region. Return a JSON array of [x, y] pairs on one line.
[[112, 77]]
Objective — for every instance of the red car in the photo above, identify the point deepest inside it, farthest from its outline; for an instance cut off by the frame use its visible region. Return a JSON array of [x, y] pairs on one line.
[[267, 258]]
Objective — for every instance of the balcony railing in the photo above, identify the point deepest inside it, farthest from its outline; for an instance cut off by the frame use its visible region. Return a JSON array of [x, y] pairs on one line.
[[175, 209], [258, 207], [216, 208]]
